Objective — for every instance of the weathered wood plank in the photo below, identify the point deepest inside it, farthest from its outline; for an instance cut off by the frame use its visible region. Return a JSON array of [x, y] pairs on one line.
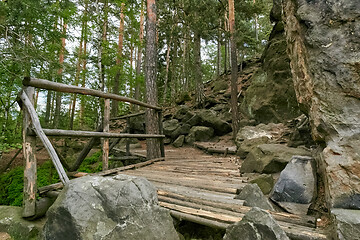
[[105, 141], [199, 220], [40, 133], [60, 87], [72, 133], [127, 116], [29, 148]]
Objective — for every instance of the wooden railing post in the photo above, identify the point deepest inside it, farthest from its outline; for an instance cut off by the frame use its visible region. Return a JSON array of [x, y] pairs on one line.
[[161, 132], [105, 141], [29, 148], [128, 139]]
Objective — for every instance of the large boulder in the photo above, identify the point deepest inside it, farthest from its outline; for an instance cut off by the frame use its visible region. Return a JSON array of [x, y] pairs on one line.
[[179, 142], [278, 104], [18, 228], [265, 182], [257, 224], [254, 197], [270, 158], [249, 137], [347, 223], [324, 50], [199, 133], [120, 207], [210, 119], [296, 185], [170, 126]]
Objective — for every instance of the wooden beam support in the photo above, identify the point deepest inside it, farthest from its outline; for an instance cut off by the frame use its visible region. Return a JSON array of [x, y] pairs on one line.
[[72, 133], [29, 148], [40, 133], [105, 141], [59, 87], [127, 116]]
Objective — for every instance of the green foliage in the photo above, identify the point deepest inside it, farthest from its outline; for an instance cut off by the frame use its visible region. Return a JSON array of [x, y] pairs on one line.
[[91, 164], [11, 187], [12, 183]]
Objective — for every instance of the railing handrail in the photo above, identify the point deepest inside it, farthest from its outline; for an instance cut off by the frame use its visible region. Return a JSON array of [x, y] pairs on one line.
[[60, 87]]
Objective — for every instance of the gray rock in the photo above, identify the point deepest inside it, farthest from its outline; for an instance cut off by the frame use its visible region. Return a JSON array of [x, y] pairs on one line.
[[210, 119], [194, 120], [265, 182], [119, 207], [170, 126], [257, 224], [347, 223], [181, 113], [323, 46], [254, 197], [179, 142], [270, 158], [18, 228], [244, 147], [182, 129], [271, 96], [199, 133], [297, 182], [137, 124]]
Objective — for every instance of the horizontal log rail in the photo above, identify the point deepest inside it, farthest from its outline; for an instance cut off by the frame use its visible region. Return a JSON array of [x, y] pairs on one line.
[[60, 87], [73, 133], [127, 116]]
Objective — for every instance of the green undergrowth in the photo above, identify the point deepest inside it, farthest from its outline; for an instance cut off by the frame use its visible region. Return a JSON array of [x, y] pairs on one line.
[[12, 183], [91, 164]]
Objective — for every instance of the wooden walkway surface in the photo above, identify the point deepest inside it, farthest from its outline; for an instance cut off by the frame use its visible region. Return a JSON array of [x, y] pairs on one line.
[[201, 188]]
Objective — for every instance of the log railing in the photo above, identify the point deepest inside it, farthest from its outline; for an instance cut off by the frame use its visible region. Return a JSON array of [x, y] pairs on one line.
[[32, 128]]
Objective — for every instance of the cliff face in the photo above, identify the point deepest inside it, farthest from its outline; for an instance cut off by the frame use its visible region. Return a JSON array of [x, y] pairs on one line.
[[271, 96], [323, 44]]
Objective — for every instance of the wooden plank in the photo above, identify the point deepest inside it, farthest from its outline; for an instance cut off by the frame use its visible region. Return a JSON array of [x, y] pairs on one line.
[[72, 133], [212, 186], [224, 179], [29, 148], [124, 158], [199, 220], [127, 116], [199, 193], [202, 213], [237, 210], [40, 133], [105, 141], [60, 87], [207, 172], [137, 165], [52, 187]]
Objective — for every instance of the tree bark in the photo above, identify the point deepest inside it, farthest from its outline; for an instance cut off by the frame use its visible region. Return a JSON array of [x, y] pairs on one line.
[[152, 127], [59, 79], [138, 61], [83, 80], [234, 71], [115, 104], [199, 90], [167, 70]]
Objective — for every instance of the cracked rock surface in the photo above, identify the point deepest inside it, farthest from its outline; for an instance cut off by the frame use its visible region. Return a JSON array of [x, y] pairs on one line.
[[104, 208]]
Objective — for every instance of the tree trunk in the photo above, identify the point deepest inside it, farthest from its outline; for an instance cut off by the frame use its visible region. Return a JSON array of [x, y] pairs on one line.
[[218, 51], [167, 70], [234, 71], [152, 127], [256, 23], [83, 80], [59, 79], [138, 61], [115, 104], [48, 108], [199, 90]]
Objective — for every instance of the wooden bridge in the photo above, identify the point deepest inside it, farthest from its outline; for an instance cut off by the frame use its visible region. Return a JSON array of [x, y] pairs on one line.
[[194, 186]]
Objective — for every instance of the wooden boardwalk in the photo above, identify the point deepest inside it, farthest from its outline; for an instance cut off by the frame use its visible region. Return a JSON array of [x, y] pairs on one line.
[[201, 188]]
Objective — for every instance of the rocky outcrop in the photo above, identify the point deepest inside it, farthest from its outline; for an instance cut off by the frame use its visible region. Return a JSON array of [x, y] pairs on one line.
[[257, 224], [14, 225], [279, 104], [296, 185], [254, 197], [199, 133], [120, 207], [347, 223], [323, 42], [270, 158]]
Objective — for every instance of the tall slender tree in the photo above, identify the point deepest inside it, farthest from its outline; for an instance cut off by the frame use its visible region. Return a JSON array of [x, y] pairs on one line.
[[234, 70], [152, 125]]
